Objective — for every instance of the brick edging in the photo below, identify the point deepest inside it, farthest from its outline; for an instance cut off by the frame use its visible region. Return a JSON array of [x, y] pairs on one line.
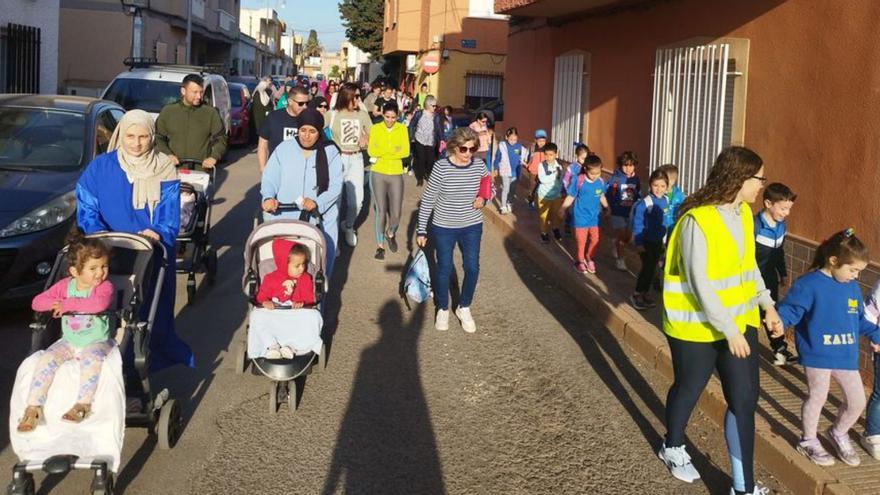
[[772, 451]]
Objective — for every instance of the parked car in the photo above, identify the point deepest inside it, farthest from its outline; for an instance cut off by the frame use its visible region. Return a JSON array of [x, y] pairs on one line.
[[45, 142], [151, 87], [239, 124]]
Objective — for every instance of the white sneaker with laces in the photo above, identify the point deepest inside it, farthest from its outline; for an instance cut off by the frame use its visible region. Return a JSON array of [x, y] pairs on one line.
[[679, 463], [351, 237], [621, 264], [871, 443], [441, 322], [759, 490], [467, 321]]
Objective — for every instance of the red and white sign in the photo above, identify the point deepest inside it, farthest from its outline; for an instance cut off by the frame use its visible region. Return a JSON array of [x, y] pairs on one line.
[[431, 63]]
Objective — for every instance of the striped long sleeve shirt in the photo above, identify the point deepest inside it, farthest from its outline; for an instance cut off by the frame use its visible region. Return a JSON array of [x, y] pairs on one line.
[[450, 195]]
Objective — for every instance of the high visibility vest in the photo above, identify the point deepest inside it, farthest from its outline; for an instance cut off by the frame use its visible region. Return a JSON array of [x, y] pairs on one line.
[[731, 274]]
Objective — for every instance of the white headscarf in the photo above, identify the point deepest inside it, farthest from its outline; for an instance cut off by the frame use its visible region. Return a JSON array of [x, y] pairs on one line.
[[261, 91], [146, 172]]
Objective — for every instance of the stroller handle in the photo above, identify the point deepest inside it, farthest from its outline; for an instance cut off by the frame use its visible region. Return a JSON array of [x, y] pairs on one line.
[[191, 164], [304, 214]]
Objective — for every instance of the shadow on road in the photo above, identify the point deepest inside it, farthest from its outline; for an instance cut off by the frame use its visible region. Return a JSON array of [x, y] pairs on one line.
[[386, 443]]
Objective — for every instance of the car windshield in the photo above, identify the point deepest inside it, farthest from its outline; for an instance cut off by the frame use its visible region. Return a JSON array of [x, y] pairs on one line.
[[143, 94], [41, 138], [234, 97]]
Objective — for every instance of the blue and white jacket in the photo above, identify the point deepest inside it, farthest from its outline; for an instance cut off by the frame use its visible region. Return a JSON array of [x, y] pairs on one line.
[[770, 250]]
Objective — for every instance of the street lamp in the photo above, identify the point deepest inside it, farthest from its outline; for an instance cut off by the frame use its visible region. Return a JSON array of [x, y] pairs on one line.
[[134, 7]]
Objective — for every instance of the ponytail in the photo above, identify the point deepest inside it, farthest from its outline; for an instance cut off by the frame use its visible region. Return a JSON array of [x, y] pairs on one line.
[[844, 246]]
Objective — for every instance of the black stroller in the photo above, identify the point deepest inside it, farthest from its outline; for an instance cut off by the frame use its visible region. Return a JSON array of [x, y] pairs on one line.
[[259, 262], [194, 252], [137, 269]]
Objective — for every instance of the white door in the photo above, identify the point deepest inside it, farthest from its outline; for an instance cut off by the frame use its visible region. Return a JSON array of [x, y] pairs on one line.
[[569, 95]]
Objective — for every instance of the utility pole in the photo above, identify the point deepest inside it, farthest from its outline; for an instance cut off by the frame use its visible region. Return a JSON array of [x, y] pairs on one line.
[[189, 14], [137, 32]]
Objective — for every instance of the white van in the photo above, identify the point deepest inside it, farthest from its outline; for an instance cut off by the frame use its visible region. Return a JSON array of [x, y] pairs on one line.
[[150, 88]]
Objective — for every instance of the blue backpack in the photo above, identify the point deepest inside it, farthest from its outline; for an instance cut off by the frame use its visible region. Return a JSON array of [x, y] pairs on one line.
[[417, 283]]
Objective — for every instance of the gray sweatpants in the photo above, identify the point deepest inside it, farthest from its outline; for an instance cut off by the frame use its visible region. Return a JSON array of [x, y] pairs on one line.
[[387, 191], [505, 190]]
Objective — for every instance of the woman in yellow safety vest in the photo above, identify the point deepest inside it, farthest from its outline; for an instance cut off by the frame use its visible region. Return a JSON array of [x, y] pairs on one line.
[[711, 293]]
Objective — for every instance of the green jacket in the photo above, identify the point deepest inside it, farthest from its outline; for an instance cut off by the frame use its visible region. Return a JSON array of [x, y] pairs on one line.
[[190, 133]]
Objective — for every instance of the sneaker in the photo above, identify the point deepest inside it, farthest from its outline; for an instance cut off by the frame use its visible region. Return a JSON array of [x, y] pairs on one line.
[[814, 451], [679, 463], [286, 352], [509, 208], [759, 490], [351, 237], [784, 357], [591, 266], [273, 353], [467, 321], [380, 254], [545, 238], [392, 242], [649, 302], [620, 264], [638, 301], [844, 448], [441, 322], [871, 443], [581, 267], [409, 172], [557, 234]]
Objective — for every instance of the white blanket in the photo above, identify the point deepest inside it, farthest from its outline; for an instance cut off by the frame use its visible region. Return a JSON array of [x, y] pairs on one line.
[[299, 329], [98, 436]]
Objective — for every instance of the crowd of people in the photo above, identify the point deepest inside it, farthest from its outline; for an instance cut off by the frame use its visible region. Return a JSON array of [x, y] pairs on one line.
[[720, 266]]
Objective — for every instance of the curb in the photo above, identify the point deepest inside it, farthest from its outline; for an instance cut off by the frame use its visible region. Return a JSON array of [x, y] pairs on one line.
[[772, 451]]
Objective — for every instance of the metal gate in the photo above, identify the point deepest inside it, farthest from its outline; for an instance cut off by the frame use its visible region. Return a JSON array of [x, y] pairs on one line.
[[692, 112], [22, 59], [568, 90]]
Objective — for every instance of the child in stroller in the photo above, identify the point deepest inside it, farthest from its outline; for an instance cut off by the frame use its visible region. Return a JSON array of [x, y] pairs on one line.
[[85, 333], [288, 287]]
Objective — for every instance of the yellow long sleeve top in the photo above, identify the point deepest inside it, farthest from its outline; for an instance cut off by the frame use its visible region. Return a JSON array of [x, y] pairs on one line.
[[389, 147]]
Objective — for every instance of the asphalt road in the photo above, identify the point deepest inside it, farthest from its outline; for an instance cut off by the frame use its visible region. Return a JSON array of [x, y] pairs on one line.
[[539, 401]]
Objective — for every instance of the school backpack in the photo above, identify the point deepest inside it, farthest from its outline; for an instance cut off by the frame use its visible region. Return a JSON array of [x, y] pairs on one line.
[[417, 283], [649, 205]]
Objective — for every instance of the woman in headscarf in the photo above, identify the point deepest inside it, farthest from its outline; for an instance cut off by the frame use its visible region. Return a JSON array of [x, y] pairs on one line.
[[134, 188], [262, 103], [306, 171]]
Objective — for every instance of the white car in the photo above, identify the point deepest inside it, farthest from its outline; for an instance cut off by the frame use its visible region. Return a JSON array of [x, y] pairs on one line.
[[152, 87]]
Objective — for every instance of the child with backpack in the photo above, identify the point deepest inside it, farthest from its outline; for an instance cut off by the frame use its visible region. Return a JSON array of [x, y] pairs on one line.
[[649, 231], [624, 189], [586, 193], [536, 157], [511, 155], [549, 194]]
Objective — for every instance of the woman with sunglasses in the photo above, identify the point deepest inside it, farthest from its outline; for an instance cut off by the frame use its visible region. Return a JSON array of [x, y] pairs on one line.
[[712, 289], [451, 196], [320, 104], [350, 128]]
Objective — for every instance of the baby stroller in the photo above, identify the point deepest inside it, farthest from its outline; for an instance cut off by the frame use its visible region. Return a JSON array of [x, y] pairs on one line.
[[137, 268], [194, 253], [259, 262]]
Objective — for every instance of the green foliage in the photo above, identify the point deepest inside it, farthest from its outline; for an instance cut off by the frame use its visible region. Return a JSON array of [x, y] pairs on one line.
[[363, 21], [334, 72]]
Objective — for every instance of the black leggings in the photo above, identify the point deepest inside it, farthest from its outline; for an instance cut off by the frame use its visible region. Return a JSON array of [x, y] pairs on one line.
[[650, 257], [423, 161], [693, 363]]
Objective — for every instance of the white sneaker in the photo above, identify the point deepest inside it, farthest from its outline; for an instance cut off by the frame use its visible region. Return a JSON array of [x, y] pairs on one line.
[[871, 444], [679, 463], [467, 321], [759, 490], [441, 322], [620, 264], [351, 237]]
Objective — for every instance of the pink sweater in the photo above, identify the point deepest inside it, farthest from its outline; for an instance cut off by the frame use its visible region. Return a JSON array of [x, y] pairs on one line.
[[99, 298]]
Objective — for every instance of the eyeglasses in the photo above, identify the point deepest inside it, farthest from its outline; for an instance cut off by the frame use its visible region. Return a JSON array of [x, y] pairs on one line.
[[465, 149], [322, 106], [758, 177], [301, 103]]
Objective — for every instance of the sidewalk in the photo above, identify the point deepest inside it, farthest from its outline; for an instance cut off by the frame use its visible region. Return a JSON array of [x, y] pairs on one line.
[[606, 295]]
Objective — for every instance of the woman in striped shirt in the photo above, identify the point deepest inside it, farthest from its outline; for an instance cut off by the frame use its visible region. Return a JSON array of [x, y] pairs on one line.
[[457, 218]]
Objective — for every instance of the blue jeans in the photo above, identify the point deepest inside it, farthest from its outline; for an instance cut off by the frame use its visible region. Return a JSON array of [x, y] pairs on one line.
[[444, 240], [872, 422]]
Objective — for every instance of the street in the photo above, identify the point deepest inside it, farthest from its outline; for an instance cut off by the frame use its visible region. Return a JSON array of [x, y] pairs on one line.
[[541, 400]]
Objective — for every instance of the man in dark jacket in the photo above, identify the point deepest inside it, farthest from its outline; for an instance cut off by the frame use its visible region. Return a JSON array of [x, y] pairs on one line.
[[425, 133], [188, 130]]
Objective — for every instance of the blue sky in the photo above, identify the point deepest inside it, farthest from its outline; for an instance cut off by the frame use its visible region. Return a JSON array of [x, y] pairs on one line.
[[302, 15]]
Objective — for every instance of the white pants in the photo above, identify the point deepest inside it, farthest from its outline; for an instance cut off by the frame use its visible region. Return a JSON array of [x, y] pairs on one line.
[[353, 187]]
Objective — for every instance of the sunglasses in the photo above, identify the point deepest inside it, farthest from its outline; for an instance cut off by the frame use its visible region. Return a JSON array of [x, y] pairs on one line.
[[762, 179], [322, 106], [465, 149], [301, 103]]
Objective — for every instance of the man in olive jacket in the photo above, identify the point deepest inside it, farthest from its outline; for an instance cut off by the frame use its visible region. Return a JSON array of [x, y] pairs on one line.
[[188, 130]]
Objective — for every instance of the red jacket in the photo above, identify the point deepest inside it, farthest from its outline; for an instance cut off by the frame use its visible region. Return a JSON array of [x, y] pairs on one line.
[[280, 286]]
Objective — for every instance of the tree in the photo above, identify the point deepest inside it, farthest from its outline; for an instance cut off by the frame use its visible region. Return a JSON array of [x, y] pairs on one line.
[[334, 72], [313, 48], [363, 21]]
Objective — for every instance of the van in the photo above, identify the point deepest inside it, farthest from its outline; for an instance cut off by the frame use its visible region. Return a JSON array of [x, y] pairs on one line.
[[151, 87]]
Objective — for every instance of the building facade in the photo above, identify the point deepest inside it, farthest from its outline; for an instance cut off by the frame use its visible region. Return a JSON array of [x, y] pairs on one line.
[[267, 29], [29, 46], [457, 47], [96, 36], [677, 81]]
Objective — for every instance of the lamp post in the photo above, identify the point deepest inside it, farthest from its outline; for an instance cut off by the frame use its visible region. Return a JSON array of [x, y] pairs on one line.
[[134, 7], [189, 14]]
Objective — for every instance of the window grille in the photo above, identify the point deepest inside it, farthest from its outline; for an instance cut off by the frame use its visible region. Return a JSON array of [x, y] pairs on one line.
[[481, 89]]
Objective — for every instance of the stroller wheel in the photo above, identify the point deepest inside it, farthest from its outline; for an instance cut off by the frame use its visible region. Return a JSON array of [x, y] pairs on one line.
[[103, 486], [276, 395], [241, 360], [169, 425], [22, 484]]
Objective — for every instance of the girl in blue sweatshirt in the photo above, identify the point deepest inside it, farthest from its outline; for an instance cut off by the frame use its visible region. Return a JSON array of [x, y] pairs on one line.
[[624, 189], [649, 230], [825, 307]]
